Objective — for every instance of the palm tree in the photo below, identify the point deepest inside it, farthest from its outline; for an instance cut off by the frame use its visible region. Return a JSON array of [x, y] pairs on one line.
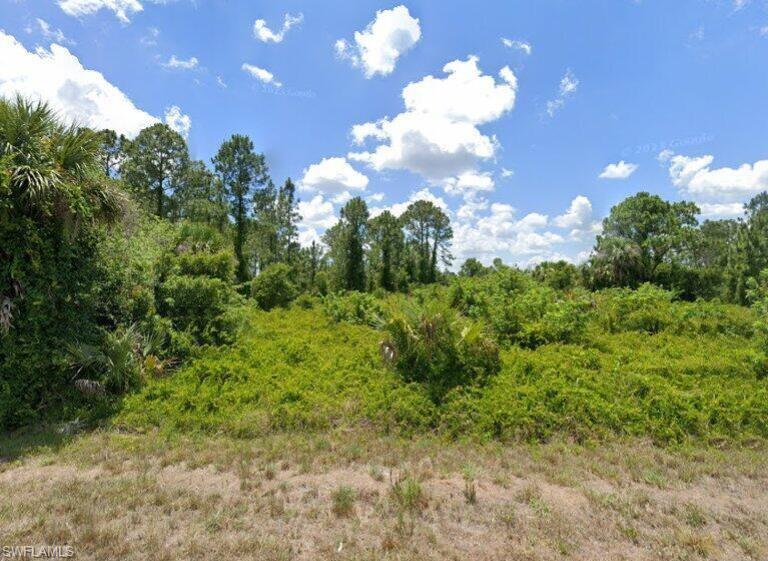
[[619, 260], [49, 169], [50, 175]]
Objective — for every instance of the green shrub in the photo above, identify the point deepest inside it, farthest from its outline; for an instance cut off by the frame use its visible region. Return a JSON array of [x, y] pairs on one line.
[[219, 265], [522, 311], [758, 295], [273, 287], [195, 291], [435, 346], [648, 309], [354, 307], [305, 301], [195, 304]]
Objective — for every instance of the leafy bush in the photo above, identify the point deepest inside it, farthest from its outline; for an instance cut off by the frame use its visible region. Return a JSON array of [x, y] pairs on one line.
[[274, 287], [305, 301], [559, 275], [521, 311], [289, 369], [437, 347], [648, 309], [354, 307], [120, 361], [196, 290], [195, 305], [219, 265], [666, 387]]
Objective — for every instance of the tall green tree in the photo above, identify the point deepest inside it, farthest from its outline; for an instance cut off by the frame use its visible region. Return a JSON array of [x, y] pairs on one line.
[[428, 236], [641, 233], [287, 219], [346, 241], [275, 224], [756, 218], [199, 196], [242, 172], [113, 149], [310, 263], [386, 243], [473, 268], [156, 160]]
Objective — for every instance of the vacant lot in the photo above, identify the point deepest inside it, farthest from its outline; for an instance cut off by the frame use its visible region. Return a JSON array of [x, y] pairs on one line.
[[359, 495]]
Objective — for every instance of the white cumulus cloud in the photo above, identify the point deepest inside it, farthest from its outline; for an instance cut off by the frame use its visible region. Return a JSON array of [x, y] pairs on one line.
[[79, 95], [469, 183], [317, 213], [376, 49], [697, 179], [437, 136], [721, 210], [398, 209], [620, 170], [577, 215], [333, 176], [266, 35], [261, 74], [178, 121]]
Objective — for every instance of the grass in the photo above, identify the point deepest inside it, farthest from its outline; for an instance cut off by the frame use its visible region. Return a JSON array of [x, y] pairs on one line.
[[185, 494]]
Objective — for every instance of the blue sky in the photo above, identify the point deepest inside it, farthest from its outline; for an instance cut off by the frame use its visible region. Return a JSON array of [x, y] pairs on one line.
[[537, 101]]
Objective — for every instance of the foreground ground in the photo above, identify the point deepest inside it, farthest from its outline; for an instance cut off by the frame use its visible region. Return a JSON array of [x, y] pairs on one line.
[[356, 495]]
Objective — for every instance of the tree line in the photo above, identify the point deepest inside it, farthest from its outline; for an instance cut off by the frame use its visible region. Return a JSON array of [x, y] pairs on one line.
[[645, 239], [237, 195]]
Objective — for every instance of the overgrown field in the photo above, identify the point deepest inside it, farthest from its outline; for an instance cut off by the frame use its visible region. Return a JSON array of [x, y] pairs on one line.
[[635, 363]]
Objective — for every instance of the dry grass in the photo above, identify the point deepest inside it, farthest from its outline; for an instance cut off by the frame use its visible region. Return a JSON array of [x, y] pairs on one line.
[[358, 496]]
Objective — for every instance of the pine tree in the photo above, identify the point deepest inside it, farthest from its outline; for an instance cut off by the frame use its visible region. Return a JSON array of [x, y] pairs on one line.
[[241, 172]]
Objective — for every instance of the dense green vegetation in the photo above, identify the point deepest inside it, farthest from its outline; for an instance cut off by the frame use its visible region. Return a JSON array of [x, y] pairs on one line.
[[643, 365], [139, 285]]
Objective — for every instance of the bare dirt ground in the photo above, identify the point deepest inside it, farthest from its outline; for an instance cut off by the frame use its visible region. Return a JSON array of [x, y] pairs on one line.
[[356, 495]]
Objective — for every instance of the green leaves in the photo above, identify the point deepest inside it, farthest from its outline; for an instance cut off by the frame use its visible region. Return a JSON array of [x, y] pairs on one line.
[[435, 346]]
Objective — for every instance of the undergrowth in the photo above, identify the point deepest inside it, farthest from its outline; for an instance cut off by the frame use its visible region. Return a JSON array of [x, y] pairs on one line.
[[690, 373]]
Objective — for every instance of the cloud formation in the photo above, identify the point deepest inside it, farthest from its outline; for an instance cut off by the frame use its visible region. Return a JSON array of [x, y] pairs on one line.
[[121, 8], [437, 135], [266, 35], [80, 95], [45, 29], [696, 178], [178, 121], [620, 170], [569, 83], [523, 46], [333, 176], [180, 63], [261, 74], [385, 39]]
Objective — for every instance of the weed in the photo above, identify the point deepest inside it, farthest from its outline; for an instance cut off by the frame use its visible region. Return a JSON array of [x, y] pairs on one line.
[[343, 501]]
